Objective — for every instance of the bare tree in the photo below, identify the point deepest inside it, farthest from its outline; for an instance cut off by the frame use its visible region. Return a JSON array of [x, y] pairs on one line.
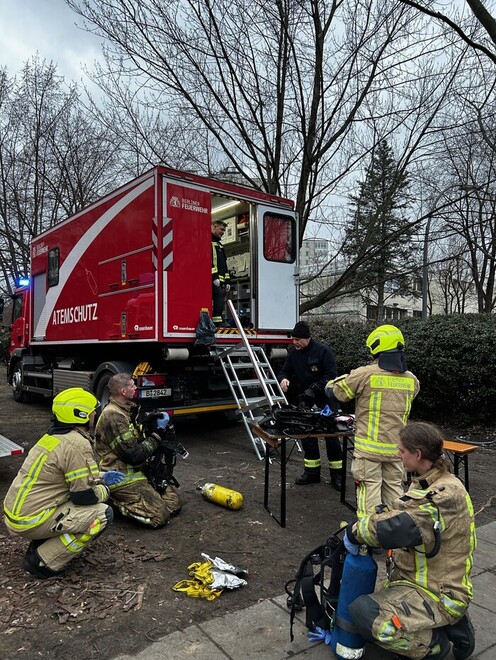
[[453, 288], [462, 27], [277, 87], [53, 161], [471, 165], [290, 96]]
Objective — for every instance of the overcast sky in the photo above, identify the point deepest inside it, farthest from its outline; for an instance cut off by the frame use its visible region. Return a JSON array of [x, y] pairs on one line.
[[47, 27]]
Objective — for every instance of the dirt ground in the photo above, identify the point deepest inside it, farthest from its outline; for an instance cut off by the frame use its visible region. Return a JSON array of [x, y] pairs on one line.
[[117, 598]]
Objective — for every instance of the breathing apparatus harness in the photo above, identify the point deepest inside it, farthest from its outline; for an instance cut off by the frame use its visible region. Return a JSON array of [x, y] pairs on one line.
[[159, 467], [290, 421], [320, 612]]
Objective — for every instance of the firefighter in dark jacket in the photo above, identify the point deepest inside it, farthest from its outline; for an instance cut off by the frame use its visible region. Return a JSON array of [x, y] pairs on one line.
[[122, 447], [220, 273], [57, 500], [422, 607], [311, 363]]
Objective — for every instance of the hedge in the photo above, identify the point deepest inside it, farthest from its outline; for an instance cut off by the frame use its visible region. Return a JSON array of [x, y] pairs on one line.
[[454, 358]]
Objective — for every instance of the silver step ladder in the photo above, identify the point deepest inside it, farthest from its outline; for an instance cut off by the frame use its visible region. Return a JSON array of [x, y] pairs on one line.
[[257, 395]]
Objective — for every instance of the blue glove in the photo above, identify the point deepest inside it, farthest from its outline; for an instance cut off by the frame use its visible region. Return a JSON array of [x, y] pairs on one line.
[[351, 547], [320, 635], [112, 477], [326, 411], [162, 421]]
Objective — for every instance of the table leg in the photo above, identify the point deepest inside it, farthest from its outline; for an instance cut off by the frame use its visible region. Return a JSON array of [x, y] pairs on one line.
[[456, 466], [283, 482], [267, 469]]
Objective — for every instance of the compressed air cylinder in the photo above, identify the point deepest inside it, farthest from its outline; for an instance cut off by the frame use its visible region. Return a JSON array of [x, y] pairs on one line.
[[359, 576], [231, 499]]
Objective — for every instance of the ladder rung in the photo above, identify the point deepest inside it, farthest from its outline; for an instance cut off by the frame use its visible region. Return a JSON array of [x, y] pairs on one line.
[[252, 382], [255, 401], [247, 365]]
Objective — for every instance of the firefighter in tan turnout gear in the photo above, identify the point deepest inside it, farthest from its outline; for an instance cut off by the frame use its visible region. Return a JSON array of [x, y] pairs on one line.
[[57, 500], [383, 393], [122, 447], [422, 608]]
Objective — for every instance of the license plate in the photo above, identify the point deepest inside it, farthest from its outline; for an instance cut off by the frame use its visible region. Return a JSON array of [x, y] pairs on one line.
[[155, 394]]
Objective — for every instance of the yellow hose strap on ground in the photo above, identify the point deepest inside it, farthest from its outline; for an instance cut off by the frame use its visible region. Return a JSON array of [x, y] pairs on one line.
[[201, 571], [195, 589]]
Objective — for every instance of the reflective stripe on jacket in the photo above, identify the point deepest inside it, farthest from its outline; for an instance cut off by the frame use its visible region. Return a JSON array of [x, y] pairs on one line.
[[54, 467], [220, 270], [436, 496], [382, 408], [120, 445]]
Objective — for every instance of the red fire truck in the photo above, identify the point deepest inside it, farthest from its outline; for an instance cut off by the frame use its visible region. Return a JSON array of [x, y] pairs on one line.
[[123, 283]]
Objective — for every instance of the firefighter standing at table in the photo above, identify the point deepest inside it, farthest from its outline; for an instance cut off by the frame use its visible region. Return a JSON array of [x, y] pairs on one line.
[[423, 604], [312, 363], [220, 273], [122, 447], [57, 500], [383, 393]]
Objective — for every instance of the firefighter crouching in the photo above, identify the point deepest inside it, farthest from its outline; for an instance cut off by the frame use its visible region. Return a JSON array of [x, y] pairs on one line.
[[383, 391], [423, 605], [122, 447], [57, 500]]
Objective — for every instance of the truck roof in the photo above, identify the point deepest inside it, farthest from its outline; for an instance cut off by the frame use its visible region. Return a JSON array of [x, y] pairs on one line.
[[215, 185]]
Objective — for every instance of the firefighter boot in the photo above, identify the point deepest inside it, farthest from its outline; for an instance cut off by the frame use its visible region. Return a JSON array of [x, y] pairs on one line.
[[32, 563], [309, 476], [462, 635], [336, 479], [440, 645]]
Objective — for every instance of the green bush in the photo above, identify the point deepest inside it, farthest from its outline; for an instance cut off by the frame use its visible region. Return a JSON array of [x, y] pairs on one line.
[[453, 357]]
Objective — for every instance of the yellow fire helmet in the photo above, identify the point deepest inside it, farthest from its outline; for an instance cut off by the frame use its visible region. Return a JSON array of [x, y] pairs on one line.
[[74, 406], [385, 338]]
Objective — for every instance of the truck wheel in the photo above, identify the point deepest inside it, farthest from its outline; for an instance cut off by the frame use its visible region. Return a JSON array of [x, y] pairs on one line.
[[102, 391], [19, 395]]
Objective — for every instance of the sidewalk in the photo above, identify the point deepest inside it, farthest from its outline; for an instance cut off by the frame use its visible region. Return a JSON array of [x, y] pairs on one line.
[[262, 631]]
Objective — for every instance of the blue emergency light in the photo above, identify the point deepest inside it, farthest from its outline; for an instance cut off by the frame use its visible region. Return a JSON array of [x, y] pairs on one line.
[[23, 281]]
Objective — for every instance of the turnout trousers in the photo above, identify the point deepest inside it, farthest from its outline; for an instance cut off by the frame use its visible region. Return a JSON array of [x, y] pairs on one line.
[[311, 458], [67, 532], [377, 482], [218, 302], [400, 619], [143, 503]]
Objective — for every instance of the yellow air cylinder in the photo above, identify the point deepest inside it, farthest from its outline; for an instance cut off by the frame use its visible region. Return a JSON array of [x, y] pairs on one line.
[[231, 499]]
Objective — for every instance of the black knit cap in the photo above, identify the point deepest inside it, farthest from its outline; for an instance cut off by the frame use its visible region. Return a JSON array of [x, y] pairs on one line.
[[301, 330]]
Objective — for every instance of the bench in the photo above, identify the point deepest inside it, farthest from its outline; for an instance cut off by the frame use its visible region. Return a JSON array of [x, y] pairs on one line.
[[460, 451]]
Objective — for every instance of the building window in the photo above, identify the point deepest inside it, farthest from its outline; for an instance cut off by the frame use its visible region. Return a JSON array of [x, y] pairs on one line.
[[390, 313]]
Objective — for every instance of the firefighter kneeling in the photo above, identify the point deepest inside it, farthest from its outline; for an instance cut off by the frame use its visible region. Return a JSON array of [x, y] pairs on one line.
[[122, 446], [57, 498], [423, 605]]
